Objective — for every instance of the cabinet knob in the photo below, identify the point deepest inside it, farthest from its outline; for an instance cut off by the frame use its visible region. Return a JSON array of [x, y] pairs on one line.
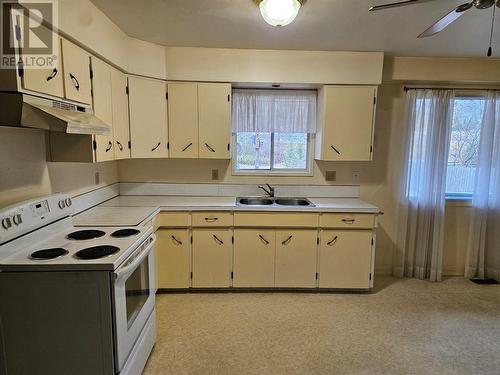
[[75, 81], [333, 241], [158, 145], [109, 146], [120, 146], [218, 240], [287, 241], [348, 221], [52, 75], [211, 219], [334, 149], [185, 148], [176, 240], [263, 239], [210, 148]]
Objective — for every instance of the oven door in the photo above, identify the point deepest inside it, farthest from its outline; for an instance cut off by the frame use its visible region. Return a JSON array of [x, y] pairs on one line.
[[134, 298]]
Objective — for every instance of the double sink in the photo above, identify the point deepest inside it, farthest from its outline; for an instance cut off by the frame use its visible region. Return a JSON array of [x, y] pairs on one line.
[[264, 201]]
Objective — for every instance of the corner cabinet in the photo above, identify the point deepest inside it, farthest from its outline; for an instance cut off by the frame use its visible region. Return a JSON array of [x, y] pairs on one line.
[[148, 118], [199, 120], [346, 118]]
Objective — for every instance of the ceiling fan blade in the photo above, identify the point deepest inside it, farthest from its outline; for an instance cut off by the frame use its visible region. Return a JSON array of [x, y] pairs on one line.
[[397, 4], [444, 22]]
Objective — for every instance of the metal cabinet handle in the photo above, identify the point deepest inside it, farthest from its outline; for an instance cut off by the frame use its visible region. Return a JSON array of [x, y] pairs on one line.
[[211, 219], [348, 221], [218, 240], [120, 146], [263, 239], [333, 241], [158, 145], [109, 146], [75, 81], [185, 148], [210, 148], [52, 75], [287, 241], [334, 149], [176, 240]]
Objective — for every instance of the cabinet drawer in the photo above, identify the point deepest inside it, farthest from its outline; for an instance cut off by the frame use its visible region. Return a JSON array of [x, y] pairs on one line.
[[212, 219], [275, 220], [173, 219], [346, 220]]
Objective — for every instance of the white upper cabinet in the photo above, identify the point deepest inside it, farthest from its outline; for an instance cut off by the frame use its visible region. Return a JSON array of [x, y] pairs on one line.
[[214, 120], [199, 120], [121, 130], [346, 123], [76, 66], [101, 89], [183, 119], [148, 118]]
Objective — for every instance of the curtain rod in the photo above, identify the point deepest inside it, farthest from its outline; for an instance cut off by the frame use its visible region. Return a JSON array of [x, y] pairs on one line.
[[406, 88]]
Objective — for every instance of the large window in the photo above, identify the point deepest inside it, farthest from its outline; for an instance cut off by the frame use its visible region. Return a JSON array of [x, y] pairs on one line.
[[272, 130], [464, 146]]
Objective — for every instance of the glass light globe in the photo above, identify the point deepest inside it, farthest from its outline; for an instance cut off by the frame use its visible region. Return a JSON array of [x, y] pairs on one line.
[[279, 12]]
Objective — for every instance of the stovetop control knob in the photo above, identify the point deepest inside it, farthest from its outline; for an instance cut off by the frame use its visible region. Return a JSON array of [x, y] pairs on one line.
[[6, 223], [17, 219], [68, 202], [62, 204]]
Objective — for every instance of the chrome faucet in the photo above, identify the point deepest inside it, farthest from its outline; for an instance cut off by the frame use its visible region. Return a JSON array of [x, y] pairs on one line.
[[269, 191]]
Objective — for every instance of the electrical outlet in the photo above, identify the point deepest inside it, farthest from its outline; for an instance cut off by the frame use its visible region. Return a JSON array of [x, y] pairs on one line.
[[331, 175], [97, 178], [355, 177], [215, 174]]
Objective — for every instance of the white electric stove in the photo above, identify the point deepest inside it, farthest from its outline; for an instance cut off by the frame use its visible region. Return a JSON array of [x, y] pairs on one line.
[[88, 293]]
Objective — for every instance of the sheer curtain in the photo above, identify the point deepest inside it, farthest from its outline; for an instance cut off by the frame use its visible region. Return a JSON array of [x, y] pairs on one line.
[[419, 247], [279, 111], [483, 251]]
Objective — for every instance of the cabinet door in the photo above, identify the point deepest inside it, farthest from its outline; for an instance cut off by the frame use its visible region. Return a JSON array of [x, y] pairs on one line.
[[347, 115], [121, 130], [76, 66], [101, 88], [296, 258], [345, 259], [214, 120], [254, 252], [46, 81], [173, 258], [183, 119], [148, 118], [212, 258]]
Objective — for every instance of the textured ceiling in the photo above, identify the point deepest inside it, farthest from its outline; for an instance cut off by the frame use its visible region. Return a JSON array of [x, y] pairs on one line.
[[321, 25]]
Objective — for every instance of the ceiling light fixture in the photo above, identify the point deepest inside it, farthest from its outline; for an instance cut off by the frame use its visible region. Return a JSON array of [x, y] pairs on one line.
[[279, 12]]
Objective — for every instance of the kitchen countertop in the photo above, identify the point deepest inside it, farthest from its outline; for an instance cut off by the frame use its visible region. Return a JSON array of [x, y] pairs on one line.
[[132, 210]]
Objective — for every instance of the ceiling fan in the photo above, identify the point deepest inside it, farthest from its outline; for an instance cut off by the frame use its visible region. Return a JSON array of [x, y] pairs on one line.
[[445, 21]]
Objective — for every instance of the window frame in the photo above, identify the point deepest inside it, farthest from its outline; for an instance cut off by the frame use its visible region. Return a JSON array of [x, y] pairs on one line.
[[307, 172], [464, 94]]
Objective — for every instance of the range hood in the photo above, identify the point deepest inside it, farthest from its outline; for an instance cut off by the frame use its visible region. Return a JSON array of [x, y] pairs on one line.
[[29, 111]]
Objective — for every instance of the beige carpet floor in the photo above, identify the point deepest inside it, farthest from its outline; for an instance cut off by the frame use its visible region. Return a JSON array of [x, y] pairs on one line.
[[403, 327]]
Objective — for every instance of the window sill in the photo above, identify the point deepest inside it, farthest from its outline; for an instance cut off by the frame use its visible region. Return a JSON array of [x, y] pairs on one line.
[[273, 173], [458, 202]]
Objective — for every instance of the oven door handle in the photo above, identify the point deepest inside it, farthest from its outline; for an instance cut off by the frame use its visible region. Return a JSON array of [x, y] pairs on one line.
[[135, 259]]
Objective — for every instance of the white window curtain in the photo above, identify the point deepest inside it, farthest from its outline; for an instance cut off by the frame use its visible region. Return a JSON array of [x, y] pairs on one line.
[[419, 247], [278, 111], [483, 250]]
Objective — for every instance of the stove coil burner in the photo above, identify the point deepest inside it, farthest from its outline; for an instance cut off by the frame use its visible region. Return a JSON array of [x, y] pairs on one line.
[[97, 252], [86, 234], [49, 253], [125, 233]]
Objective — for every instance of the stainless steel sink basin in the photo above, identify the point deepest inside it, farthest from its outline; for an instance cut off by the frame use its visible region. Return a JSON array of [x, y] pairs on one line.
[[292, 202], [263, 201], [255, 201]]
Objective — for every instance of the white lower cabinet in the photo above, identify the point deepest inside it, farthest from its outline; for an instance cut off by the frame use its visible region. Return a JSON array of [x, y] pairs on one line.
[[296, 258], [173, 258], [254, 253], [345, 258], [212, 258]]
